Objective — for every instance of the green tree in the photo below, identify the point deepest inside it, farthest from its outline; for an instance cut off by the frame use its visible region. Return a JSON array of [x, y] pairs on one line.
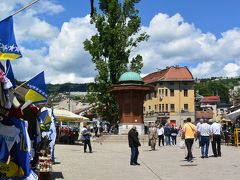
[[118, 27]]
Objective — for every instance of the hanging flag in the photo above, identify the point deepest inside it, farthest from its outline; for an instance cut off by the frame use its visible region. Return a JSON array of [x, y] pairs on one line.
[[9, 73], [2, 67], [44, 117], [38, 91], [8, 46]]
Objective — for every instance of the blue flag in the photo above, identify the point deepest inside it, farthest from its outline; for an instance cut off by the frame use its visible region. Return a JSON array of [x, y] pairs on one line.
[[9, 73], [8, 46], [44, 117], [2, 67], [38, 91]]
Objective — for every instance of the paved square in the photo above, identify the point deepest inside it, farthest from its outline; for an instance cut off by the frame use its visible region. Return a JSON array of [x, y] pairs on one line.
[[110, 161]]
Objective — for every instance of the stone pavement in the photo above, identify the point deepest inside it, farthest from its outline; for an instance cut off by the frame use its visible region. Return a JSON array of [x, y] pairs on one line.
[[110, 161]]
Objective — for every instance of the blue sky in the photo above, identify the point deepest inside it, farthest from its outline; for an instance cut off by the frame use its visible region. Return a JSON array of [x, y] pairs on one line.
[[201, 34]]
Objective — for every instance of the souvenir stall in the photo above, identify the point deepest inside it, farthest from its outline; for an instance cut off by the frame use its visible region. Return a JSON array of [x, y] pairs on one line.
[[69, 125], [21, 141]]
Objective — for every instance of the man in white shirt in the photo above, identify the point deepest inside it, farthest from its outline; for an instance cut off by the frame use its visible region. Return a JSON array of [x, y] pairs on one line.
[[216, 130], [204, 130], [160, 132]]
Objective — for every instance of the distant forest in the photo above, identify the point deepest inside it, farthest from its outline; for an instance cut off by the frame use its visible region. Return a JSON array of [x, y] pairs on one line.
[[67, 87]]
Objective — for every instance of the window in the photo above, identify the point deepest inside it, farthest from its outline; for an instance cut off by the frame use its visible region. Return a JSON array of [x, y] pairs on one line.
[[162, 92], [185, 83], [166, 107], [155, 108], [185, 107], [185, 93], [149, 107], [171, 92], [172, 107], [171, 83], [166, 92], [162, 107]]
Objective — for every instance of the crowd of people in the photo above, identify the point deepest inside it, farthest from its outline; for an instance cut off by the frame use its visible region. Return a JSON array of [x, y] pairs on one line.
[[205, 131]]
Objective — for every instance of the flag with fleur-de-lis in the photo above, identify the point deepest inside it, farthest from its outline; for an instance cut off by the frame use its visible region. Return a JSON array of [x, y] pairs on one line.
[[8, 46], [38, 91]]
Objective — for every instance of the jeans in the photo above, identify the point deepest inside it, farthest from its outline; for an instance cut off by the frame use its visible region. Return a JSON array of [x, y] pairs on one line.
[[168, 141], [204, 144], [134, 155], [216, 145], [189, 143], [161, 138], [174, 140], [87, 142]]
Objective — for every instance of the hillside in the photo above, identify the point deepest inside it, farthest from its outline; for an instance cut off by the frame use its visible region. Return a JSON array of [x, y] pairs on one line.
[[67, 87]]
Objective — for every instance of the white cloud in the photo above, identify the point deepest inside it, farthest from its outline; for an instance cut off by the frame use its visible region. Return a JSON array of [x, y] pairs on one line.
[[175, 42], [231, 69], [66, 52]]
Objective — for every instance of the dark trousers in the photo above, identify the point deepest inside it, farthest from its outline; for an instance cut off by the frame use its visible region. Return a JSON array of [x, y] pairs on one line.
[[87, 142], [161, 138], [134, 154], [189, 143], [216, 145], [174, 140]]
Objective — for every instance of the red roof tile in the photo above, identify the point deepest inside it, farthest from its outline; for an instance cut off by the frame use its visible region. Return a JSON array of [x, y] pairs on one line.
[[210, 99], [169, 74]]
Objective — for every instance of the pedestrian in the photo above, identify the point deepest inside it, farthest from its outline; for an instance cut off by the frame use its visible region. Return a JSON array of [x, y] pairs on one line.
[[216, 131], [152, 136], [167, 134], [134, 143], [204, 131], [174, 133], [86, 133], [160, 132], [198, 134], [189, 130]]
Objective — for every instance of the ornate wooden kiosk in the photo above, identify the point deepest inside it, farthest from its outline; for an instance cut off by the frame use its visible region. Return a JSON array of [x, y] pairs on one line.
[[130, 94]]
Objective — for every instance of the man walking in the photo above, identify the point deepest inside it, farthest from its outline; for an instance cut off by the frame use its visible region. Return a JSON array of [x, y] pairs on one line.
[[86, 133], [204, 130], [189, 131], [216, 143], [160, 132], [133, 144], [167, 134]]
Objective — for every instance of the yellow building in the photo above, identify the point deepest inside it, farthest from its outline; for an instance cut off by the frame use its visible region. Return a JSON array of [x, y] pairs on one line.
[[173, 98]]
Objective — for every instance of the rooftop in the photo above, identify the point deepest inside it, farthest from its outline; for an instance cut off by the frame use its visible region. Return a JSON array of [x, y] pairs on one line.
[[173, 73], [210, 99], [130, 76]]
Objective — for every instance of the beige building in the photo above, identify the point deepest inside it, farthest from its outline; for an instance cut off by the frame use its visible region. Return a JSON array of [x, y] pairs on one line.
[[173, 98]]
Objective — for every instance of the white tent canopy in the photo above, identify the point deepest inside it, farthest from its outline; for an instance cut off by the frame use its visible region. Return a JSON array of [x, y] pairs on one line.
[[65, 115], [233, 115]]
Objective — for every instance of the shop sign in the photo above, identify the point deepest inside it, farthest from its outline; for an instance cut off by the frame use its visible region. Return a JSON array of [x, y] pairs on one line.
[[164, 114]]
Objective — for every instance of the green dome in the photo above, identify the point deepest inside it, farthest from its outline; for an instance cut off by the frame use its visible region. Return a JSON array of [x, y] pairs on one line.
[[130, 76]]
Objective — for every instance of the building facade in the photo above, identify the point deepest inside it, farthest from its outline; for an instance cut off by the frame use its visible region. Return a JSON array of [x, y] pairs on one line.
[[173, 98]]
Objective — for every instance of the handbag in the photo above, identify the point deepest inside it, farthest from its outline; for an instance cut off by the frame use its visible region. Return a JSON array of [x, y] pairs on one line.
[[182, 144]]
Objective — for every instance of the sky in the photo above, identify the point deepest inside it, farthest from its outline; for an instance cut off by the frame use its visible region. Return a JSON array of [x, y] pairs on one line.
[[203, 35]]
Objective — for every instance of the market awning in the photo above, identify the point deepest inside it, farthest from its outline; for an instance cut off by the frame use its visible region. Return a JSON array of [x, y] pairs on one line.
[[68, 116], [233, 115]]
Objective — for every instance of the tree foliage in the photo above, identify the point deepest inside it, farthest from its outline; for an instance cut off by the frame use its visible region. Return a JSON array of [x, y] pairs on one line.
[[118, 27]]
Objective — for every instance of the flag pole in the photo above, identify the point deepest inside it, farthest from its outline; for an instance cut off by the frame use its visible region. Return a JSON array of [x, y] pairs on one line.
[[30, 4]]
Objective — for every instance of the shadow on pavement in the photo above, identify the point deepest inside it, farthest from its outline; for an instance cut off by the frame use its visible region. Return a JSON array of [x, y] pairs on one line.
[[190, 164], [57, 175]]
